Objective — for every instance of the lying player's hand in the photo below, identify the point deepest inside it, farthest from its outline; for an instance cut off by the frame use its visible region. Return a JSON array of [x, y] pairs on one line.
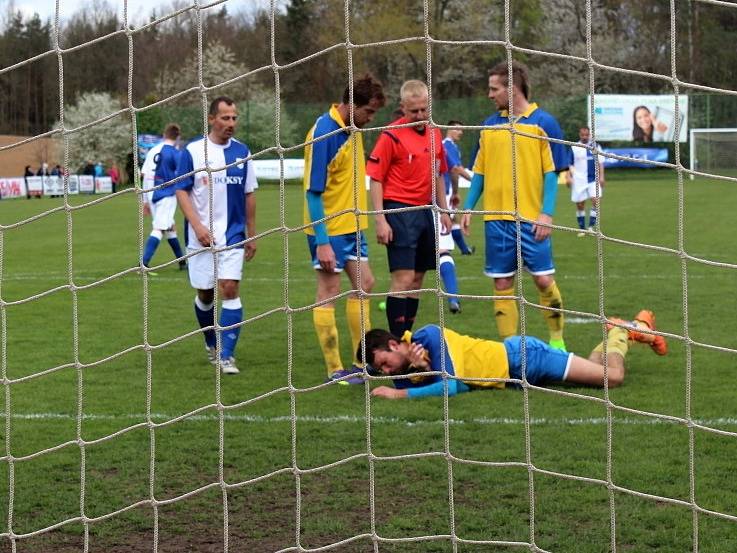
[[388, 392], [250, 248], [326, 257], [384, 233], [542, 232], [466, 224], [417, 356]]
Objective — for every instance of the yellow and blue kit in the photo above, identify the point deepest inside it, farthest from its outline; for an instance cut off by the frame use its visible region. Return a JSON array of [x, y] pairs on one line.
[[335, 172], [534, 157], [469, 358]]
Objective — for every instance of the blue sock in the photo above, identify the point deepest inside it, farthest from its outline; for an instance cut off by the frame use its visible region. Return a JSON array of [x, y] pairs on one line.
[[230, 314], [592, 218], [460, 241], [206, 317], [448, 274], [175, 247], [581, 218], [148, 252]]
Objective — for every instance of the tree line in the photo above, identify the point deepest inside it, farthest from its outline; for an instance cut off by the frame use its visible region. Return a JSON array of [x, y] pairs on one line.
[[629, 34]]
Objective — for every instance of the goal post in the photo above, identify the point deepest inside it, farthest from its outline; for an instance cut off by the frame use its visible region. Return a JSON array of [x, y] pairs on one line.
[[713, 151]]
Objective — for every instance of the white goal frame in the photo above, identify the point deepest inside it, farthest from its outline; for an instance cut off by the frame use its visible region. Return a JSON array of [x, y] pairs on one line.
[[691, 145]]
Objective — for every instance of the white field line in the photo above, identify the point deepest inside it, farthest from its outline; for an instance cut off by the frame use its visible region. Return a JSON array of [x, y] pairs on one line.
[[483, 421]]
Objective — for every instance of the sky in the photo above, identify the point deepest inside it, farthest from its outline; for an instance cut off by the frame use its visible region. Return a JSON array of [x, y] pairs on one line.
[[138, 10]]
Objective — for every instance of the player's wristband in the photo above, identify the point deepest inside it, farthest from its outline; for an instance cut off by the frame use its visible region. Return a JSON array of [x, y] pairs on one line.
[[550, 193], [317, 212], [477, 187]]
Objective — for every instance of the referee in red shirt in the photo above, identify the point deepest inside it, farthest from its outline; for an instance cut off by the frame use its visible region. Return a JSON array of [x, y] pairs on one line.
[[402, 169]]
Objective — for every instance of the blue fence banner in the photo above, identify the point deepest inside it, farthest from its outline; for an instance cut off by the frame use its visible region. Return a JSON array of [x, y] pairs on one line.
[[648, 154]]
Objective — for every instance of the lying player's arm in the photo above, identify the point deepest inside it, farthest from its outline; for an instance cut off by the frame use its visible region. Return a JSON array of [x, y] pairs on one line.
[[201, 231], [477, 188], [250, 246], [436, 389], [316, 209]]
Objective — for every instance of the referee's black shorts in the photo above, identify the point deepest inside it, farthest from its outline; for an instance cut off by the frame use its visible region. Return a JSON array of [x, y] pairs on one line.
[[413, 242]]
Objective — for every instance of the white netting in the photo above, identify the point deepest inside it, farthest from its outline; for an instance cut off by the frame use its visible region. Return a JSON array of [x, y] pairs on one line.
[[721, 150], [714, 151]]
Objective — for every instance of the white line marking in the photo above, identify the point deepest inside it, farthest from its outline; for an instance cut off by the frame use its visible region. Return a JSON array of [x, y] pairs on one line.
[[483, 421]]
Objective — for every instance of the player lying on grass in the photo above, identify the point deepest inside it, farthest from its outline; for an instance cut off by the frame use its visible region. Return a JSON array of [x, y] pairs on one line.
[[474, 361]]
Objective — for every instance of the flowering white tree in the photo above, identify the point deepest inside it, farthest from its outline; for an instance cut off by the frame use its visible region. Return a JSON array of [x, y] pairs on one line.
[[255, 101], [108, 141]]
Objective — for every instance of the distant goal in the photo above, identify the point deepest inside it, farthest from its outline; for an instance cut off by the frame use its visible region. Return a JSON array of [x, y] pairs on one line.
[[713, 151]]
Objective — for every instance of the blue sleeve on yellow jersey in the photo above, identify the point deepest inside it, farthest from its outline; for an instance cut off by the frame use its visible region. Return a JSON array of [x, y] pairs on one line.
[[317, 212], [477, 188], [550, 193], [323, 152], [184, 166], [552, 129], [438, 389]]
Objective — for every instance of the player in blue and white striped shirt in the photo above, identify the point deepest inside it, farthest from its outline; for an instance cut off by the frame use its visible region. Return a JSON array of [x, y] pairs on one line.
[[583, 182], [234, 219], [160, 167]]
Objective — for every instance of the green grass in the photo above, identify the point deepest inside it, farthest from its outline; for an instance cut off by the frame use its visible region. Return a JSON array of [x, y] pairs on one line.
[[568, 435]]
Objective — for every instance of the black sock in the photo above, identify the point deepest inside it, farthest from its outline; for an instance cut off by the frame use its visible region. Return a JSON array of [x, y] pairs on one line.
[[411, 312], [395, 314]]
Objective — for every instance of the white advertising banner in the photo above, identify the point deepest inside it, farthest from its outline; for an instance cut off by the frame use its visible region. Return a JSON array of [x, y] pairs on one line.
[[86, 184], [73, 184], [35, 186], [14, 187], [639, 117], [53, 186], [103, 185], [270, 169]]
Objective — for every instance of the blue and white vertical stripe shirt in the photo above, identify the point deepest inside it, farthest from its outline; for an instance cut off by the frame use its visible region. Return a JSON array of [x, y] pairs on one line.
[[230, 187], [584, 169]]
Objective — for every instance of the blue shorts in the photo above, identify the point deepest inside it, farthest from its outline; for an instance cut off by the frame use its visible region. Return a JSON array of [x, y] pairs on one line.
[[501, 250], [345, 248], [413, 238], [544, 363]]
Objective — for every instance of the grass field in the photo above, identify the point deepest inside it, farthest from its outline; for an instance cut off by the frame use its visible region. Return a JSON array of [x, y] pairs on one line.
[[318, 462]]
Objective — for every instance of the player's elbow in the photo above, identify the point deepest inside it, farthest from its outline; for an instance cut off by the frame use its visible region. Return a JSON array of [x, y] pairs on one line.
[[615, 378]]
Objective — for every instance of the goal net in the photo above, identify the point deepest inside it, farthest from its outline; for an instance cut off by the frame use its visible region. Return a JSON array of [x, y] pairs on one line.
[[120, 436], [713, 151]]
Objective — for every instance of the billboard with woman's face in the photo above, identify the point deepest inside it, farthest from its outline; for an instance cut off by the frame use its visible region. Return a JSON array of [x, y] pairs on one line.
[[640, 118]]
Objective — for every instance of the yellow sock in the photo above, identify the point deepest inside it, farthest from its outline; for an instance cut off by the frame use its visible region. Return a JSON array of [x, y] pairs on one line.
[[327, 335], [506, 314], [616, 342], [550, 297], [353, 314]]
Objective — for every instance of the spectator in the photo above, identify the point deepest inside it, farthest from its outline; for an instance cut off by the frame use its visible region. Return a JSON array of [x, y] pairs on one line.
[[114, 174]]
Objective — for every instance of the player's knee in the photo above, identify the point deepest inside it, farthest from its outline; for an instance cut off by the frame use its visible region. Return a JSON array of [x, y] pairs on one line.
[[206, 296], [229, 289], [157, 234], [615, 377], [445, 257], [368, 282], [170, 234], [543, 281]]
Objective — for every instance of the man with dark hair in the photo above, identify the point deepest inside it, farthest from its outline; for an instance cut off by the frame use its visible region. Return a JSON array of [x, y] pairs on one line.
[[403, 166], [334, 181], [159, 168], [521, 187], [475, 363], [229, 176]]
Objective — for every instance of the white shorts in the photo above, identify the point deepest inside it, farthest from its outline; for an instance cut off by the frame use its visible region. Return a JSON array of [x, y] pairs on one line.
[[445, 241], [582, 192], [163, 213], [201, 267]]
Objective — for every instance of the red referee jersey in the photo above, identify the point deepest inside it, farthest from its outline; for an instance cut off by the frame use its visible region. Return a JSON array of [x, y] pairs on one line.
[[401, 162]]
